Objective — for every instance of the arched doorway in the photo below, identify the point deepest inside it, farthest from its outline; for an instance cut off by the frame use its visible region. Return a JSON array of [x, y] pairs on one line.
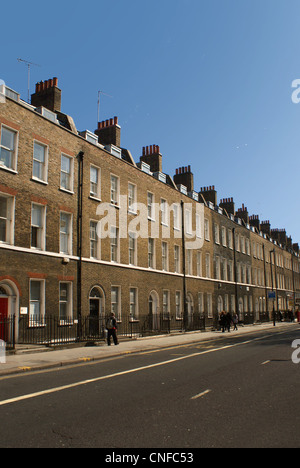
[[153, 310], [9, 308], [97, 312]]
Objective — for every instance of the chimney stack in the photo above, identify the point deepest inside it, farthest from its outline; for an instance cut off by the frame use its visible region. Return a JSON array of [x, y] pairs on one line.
[[243, 214], [109, 132], [152, 156], [254, 222], [228, 205], [184, 176], [265, 227], [209, 194], [47, 94], [279, 235]]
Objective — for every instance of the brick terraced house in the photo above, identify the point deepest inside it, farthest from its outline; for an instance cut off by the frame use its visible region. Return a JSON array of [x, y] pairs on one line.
[[86, 230]]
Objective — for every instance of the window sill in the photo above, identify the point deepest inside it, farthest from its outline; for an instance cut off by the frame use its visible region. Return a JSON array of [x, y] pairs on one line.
[[39, 181], [70, 192], [8, 169]]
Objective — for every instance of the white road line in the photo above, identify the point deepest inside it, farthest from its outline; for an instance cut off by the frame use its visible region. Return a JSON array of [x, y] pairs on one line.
[[200, 395], [118, 374]]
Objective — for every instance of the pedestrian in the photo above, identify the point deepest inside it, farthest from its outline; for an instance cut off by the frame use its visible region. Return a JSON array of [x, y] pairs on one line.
[[223, 321], [112, 327], [235, 321], [228, 321]]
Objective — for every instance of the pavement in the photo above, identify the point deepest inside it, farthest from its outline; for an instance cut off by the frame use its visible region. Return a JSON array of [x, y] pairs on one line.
[[28, 359]]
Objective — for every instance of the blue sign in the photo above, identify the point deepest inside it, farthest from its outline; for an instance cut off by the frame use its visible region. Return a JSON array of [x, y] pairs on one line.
[[272, 295]]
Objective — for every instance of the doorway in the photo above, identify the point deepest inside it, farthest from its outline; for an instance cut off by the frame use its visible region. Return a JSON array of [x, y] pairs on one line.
[[153, 311], [96, 311], [3, 317]]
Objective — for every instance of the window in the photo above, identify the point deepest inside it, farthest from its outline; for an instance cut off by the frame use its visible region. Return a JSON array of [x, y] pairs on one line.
[[65, 302], [164, 212], [177, 258], [150, 204], [223, 234], [218, 269], [217, 234], [224, 269], [176, 211], [199, 263], [198, 226], [151, 253], [6, 219], [133, 304], [114, 190], [116, 301], [114, 245], [66, 233], [209, 306], [8, 148], [132, 198], [166, 296], [230, 239], [164, 255], [94, 241], [188, 222], [37, 302], [40, 162], [95, 189], [189, 262], [207, 265], [38, 223], [178, 304], [66, 173], [200, 303], [132, 249], [206, 229]]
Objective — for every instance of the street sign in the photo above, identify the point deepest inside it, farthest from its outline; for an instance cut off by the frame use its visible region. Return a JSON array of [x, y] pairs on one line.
[[272, 295]]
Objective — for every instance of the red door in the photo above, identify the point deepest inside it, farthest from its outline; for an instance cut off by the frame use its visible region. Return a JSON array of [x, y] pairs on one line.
[[3, 317]]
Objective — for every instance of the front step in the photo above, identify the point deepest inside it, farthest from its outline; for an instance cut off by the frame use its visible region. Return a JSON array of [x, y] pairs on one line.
[[31, 349]]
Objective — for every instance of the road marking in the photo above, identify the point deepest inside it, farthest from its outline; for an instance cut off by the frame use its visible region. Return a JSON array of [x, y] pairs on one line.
[[118, 374], [200, 395]]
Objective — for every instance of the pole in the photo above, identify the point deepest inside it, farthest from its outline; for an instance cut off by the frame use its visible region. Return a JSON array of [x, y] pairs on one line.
[[79, 242], [274, 314], [185, 311], [235, 275], [265, 271]]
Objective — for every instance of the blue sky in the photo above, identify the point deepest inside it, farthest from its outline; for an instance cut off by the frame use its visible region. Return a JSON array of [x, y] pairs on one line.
[[209, 81]]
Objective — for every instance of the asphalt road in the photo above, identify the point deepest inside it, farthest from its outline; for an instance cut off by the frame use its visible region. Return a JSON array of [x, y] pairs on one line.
[[238, 393]]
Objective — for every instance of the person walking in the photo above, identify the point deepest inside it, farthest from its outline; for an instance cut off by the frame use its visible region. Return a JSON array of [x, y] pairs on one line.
[[235, 322], [228, 321], [112, 327], [223, 321]]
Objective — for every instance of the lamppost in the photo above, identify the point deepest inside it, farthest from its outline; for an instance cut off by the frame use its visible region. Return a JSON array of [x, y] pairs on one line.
[[185, 310], [274, 312]]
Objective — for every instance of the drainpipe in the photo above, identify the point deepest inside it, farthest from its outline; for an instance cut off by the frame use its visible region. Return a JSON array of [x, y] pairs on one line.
[[185, 311], [235, 276], [79, 243]]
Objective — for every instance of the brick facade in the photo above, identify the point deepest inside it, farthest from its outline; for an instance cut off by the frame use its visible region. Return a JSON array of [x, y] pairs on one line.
[[230, 269]]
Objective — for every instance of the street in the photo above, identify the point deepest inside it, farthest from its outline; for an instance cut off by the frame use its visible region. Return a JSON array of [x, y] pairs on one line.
[[241, 391]]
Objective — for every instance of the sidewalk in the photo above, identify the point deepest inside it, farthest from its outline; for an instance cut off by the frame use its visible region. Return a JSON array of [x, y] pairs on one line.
[[47, 358]]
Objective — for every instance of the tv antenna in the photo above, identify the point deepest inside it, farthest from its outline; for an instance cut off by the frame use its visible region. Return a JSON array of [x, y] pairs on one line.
[[99, 94], [29, 64]]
